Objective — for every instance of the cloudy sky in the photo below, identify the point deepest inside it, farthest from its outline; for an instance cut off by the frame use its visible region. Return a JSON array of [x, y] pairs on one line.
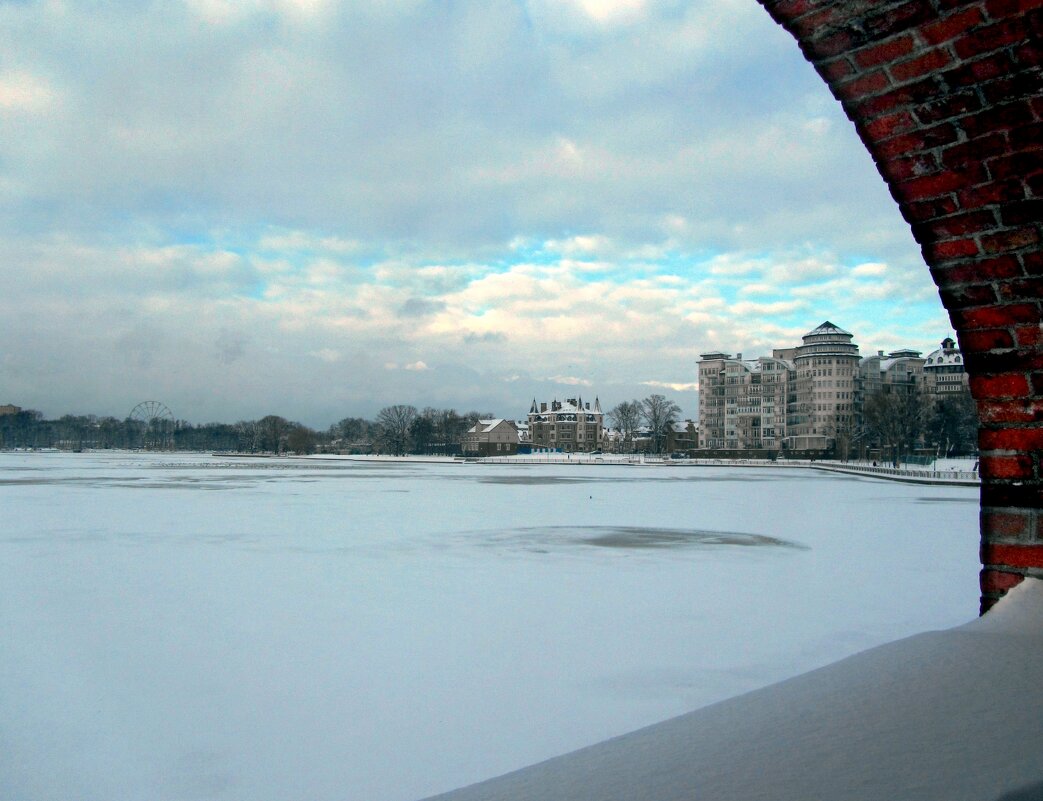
[[316, 208]]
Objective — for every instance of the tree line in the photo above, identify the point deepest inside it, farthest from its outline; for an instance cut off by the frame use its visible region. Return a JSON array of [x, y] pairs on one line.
[[651, 418], [397, 429]]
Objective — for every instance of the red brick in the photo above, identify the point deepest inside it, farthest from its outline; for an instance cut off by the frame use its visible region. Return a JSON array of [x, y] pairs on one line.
[[911, 94], [892, 50], [999, 581], [1016, 411], [988, 339], [1037, 383], [1028, 55], [1017, 165], [835, 44], [959, 225], [976, 150], [991, 269], [1023, 289], [1024, 83], [1020, 440], [1000, 117], [1007, 467], [1026, 137], [953, 249], [1029, 335], [949, 107], [996, 316], [924, 210], [931, 61], [904, 169], [929, 186], [889, 125], [969, 73], [949, 27], [992, 37], [1032, 262], [990, 194], [870, 83], [836, 70], [1006, 8], [1004, 525], [1010, 385], [926, 139], [807, 25], [995, 553], [1010, 240], [791, 9], [1023, 212], [967, 297], [895, 19]]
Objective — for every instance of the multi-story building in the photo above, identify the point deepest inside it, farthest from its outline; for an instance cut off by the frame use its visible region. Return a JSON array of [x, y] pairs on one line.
[[569, 426], [826, 372], [944, 372], [491, 438], [742, 404]]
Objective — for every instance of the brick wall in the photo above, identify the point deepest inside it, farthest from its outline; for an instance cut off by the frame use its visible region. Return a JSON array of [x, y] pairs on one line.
[[948, 98]]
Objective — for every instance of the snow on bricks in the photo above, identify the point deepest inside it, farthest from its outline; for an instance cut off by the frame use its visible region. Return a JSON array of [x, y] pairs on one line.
[[948, 98]]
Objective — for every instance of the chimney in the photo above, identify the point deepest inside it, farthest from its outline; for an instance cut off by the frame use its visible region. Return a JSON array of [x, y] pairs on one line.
[[543, 407]]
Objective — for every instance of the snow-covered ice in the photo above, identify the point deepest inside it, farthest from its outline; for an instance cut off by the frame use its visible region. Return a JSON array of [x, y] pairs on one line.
[[942, 716], [182, 626]]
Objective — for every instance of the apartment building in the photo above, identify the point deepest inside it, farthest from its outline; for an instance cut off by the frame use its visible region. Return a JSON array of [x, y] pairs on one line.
[[570, 426], [811, 396], [743, 403], [944, 373]]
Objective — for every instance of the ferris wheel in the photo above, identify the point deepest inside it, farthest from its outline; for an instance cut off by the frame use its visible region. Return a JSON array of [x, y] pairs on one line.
[[151, 412], [156, 423]]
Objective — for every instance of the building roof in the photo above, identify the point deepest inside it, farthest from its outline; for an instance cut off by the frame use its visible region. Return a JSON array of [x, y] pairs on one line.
[[947, 354], [828, 328], [485, 426]]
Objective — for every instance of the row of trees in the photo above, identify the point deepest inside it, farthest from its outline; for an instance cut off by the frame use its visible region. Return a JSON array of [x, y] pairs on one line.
[[397, 430], [900, 423], [652, 418]]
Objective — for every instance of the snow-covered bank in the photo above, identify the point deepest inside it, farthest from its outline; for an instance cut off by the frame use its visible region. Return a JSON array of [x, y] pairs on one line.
[[943, 716]]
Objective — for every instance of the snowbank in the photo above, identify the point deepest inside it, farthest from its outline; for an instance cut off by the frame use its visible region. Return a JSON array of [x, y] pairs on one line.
[[941, 716]]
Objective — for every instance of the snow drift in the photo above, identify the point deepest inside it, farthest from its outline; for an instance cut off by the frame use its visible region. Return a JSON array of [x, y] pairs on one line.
[[942, 716]]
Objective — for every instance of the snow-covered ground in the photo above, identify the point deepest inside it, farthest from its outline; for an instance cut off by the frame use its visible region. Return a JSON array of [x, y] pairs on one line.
[[183, 626], [942, 716]]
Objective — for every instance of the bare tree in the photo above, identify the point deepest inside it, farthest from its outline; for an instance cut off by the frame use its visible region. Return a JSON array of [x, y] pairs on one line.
[[626, 417], [271, 433], [952, 426], [394, 422], [660, 414], [894, 421]]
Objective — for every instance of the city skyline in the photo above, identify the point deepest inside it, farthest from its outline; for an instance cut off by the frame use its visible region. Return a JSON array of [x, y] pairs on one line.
[[317, 209]]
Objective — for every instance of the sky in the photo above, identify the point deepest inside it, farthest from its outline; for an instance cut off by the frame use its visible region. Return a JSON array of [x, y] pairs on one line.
[[315, 208]]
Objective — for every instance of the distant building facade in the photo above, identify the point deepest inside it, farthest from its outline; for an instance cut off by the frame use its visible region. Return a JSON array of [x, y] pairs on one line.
[[944, 373], [811, 397], [491, 438], [570, 426], [743, 403], [9, 409]]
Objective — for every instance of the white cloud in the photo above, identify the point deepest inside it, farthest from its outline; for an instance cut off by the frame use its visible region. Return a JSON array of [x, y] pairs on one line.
[[327, 355], [416, 367], [675, 386], [24, 91], [869, 268], [571, 381]]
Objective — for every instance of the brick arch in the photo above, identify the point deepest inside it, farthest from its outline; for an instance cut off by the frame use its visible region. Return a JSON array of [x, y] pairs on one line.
[[947, 96]]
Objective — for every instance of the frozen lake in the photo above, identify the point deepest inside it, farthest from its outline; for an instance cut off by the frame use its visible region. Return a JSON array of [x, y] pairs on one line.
[[190, 627]]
